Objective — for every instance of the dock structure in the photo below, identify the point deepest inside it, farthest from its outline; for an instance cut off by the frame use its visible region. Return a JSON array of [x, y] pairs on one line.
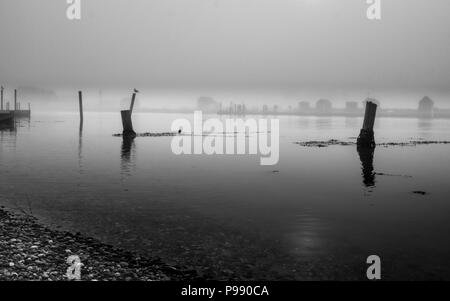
[[16, 112], [6, 116], [21, 113]]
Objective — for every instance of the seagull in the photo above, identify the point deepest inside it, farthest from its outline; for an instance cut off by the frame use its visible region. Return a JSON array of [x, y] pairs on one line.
[[136, 90]]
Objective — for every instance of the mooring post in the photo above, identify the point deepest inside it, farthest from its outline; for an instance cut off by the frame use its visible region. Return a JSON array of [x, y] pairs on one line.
[[366, 136], [15, 99], [133, 98], [1, 108], [80, 101], [127, 124]]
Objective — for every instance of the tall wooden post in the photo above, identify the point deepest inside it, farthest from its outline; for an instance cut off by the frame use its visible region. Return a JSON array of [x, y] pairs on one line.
[[127, 124], [15, 99], [80, 101], [366, 136], [1, 91], [133, 98]]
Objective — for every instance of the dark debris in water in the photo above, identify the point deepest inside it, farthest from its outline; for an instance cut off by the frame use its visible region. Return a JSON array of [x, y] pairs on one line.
[[385, 144], [324, 143], [412, 143], [391, 175], [167, 134], [420, 192]]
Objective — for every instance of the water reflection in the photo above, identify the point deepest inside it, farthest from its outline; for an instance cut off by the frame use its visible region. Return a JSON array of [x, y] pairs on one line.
[[23, 122], [425, 126], [307, 239], [127, 155], [7, 125], [351, 122], [324, 123], [366, 157], [303, 122], [80, 149]]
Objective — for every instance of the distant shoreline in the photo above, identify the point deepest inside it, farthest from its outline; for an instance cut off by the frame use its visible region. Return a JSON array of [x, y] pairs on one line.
[[396, 113], [382, 113]]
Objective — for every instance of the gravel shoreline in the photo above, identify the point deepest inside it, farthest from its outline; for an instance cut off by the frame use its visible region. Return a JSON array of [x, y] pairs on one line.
[[31, 251]]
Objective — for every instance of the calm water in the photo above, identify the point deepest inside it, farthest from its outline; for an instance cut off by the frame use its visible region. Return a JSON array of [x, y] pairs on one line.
[[318, 214]]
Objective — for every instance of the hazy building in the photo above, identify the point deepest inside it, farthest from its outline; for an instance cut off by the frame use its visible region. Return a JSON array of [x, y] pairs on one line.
[[239, 109], [275, 109], [207, 104], [426, 107], [351, 106], [304, 106], [324, 105]]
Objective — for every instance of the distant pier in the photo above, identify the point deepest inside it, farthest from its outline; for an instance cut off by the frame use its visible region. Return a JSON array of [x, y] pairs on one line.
[[8, 115]]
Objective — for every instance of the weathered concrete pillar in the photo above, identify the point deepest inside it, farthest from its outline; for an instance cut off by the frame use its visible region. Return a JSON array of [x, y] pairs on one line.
[[80, 101], [127, 124], [366, 136]]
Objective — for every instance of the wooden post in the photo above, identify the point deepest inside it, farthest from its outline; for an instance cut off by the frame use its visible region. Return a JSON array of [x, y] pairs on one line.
[[366, 136], [29, 107], [80, 101], [127, 124], [15, 99], [1, 108], [133, 98]]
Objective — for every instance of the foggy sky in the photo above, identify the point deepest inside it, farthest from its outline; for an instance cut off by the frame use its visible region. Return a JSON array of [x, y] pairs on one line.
[[226, 44]]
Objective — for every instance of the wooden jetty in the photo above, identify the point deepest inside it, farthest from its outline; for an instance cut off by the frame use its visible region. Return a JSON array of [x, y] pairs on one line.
[[18, 113], [6, 116], [21, 113]]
